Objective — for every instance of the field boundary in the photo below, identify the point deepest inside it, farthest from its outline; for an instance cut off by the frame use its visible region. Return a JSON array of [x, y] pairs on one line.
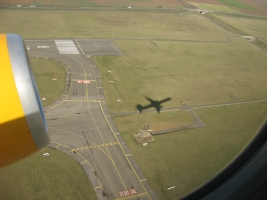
[[234, 30]]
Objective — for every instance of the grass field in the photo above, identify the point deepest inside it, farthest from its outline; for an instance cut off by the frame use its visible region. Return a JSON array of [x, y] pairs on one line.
[[236, 3], [189, 158], [134, 123], [39, 177], [100, 24], [94, 3], [253, 27], [44, 71], [199, 73]]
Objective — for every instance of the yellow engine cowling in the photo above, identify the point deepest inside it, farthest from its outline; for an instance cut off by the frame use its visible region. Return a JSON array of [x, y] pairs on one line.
[[23, 129]]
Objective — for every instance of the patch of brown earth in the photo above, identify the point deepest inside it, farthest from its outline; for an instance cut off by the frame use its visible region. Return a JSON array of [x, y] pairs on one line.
[[260, 5], [216, 2]]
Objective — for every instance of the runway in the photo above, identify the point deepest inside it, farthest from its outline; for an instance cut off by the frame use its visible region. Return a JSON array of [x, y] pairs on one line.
[[81, 126]]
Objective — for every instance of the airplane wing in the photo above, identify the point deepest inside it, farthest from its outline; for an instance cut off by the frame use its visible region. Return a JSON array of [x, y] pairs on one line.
[[23, 129]]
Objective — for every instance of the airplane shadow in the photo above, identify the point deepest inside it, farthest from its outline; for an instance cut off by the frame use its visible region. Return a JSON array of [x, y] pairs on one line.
[[156, 104]]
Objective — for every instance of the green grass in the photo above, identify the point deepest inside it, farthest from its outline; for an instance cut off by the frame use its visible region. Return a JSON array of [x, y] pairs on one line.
[[113, 24], [199, 73], [134, 123], [237, 4], [94, 3], [39, 177], [44, 71], [187, 159], [253, 27]]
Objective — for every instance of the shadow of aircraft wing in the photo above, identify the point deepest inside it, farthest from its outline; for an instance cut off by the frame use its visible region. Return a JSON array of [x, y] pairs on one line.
[[164, 100], [152, 101]]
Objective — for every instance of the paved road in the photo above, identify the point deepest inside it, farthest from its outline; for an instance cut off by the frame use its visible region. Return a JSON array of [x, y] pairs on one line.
[[80, 124]]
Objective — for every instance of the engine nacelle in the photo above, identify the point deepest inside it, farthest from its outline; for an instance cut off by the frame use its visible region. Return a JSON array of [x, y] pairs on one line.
[[23, 129]]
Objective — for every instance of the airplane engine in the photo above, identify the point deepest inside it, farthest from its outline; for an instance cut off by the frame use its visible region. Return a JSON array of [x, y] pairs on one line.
[[23, 129]]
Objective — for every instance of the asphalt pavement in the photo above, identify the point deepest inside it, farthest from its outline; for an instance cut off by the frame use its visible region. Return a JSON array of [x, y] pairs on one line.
[[80, 124]]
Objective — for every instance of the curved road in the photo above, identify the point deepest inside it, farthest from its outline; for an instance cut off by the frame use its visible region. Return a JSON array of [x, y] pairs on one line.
[[80, 124]]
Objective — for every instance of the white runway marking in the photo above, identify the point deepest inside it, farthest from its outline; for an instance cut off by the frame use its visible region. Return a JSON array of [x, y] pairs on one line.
[[66, 47], [43, 47]]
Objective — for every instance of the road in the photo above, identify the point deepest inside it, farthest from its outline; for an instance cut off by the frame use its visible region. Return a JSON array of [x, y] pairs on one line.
[[81, 126]]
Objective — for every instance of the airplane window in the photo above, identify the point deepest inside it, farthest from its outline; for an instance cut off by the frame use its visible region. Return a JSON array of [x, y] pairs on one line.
[[153, 99]]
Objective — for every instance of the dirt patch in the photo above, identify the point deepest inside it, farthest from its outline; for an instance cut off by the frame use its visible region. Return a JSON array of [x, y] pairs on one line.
[[253, 12], [216, 2], [260, 5]]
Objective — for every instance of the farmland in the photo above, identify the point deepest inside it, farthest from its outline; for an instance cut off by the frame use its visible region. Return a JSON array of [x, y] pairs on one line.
[[255, 27], [100, 24], [94, 3], [236, 3]]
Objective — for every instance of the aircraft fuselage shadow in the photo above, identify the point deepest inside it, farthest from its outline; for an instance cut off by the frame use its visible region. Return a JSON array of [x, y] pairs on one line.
[[156, 104]]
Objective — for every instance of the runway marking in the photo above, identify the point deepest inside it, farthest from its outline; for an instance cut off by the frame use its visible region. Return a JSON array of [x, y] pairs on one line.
[[143, 180], [96, 146], [133, 196], [95, 188], [79, 47], [84, 161], [115, 135], [59, 144], [129, 155], [71, 111], [127, 193], [43, 47], [66, 47], [80, 137], [96, 46], [83, 81], [100, 132], [80, 80]]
